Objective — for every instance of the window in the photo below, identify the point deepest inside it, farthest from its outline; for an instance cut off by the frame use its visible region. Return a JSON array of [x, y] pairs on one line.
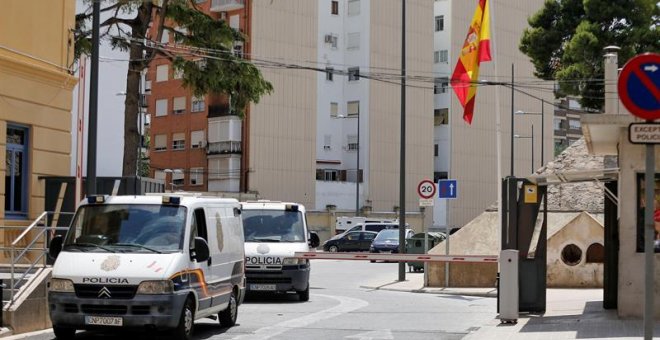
[[443, 56], [352, 143], [441, 85], [331, 39], [330, 175], [353, 73], [440, 117], [557, 123], [178, 141], [353, 7], [178, 73], [161, 107], [436, 57], [574, 124], [197, 105], [334, 8], [179, 105], [439, 23], [16, 172], [162, 72], [353, 41], [196, 176], [435, 150], [571, 255], [327, 142], [178, 177], [165, 38], [160, 142], [353, 108], [160, 174], [197, 139], [329, 71], [334, 109]]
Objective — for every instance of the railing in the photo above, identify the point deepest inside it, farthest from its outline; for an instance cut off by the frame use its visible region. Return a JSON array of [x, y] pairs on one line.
[[40, 225], [229, 147]]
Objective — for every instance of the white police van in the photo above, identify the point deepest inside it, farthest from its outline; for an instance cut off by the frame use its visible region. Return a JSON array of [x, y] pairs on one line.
[[274, 231], [150, 262]]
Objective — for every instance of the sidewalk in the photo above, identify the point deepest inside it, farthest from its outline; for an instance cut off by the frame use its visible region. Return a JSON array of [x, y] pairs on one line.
[[570, 314]]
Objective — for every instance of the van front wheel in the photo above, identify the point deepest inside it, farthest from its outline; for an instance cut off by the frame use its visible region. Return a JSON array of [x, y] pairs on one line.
[[303, 295], [64, 333], [228, 316], [186, 323]]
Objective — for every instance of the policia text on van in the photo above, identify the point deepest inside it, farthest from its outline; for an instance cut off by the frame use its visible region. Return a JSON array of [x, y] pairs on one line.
[[148, 262]]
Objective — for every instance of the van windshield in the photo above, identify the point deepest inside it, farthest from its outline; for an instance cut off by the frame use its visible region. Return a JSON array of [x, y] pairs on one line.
[[127, 228], [261, 225]]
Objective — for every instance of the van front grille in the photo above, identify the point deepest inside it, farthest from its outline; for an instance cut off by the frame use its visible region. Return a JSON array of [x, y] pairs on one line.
[[104, 309], [97, 291]]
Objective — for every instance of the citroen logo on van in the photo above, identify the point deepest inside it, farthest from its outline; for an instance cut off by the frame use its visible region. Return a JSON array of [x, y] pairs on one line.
[[104, 293]]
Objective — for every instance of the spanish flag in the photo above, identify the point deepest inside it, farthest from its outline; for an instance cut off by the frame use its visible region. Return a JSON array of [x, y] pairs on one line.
[[476, 49]]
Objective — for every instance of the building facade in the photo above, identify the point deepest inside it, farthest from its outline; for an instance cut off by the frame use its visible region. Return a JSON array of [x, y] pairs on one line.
[[566, 124], [36, 84], [469, 153], [195, 142]]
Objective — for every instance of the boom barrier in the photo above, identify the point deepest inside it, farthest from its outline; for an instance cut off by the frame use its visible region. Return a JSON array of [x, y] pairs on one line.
[[395, 257]]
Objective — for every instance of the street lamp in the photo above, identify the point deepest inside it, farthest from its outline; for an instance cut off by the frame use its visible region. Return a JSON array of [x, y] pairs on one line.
[[520, 112], [532, 138], [357, 162]]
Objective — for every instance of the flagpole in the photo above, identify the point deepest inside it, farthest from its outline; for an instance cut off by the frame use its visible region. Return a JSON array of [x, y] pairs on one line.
[[498, 126]]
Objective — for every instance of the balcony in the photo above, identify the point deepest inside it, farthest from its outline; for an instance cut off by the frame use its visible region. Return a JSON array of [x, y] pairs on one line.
[[226, 5], [220, 111], [223, 148]]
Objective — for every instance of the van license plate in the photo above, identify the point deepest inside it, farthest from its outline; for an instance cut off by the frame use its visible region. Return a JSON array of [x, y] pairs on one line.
[[104, 321], [262, 287]]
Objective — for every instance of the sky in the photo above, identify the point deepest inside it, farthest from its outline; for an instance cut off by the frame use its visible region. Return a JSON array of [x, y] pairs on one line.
[[110, 134]]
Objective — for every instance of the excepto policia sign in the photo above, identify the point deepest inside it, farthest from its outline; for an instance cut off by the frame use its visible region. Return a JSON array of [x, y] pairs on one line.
[[644, 133]]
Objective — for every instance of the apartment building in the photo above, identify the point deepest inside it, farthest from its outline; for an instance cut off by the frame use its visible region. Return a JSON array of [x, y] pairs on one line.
[[305, 138], [36, 86], [195, 142], [566, 123], [469, 153]]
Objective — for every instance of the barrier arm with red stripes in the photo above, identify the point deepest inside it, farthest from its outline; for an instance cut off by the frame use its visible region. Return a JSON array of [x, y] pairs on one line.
[[397, 257]]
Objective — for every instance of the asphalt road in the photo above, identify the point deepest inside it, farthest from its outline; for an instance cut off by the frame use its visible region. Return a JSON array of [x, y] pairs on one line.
[[340, 309]]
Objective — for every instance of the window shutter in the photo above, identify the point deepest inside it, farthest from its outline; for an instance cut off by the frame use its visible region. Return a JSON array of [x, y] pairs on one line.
[[162, 72], [160, 142], [197, 139], [179, 104], [161, 107]]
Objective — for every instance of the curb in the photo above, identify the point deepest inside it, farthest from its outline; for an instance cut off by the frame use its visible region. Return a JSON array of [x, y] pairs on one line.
[[24, 335]]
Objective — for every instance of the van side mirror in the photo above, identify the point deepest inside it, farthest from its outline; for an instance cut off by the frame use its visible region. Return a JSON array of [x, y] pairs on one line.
[[314, 240], [55, 246], [201, 251]]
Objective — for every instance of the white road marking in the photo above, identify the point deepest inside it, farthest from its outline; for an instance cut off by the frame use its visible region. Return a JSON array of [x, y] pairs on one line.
[[385, 334], [346, 305]]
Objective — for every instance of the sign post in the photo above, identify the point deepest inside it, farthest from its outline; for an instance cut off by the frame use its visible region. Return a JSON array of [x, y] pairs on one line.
[[639, 93], [426, 190]]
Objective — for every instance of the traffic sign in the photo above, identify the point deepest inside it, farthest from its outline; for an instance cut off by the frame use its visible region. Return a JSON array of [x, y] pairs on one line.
[[644, 133], [639, 86], [426, 202], [447, 188], [426, 188]]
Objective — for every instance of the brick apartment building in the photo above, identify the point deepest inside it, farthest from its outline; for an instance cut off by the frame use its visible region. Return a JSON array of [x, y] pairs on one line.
[[195, 142]]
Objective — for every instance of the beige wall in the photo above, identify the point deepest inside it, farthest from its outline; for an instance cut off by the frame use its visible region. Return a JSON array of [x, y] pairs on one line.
[[283, 125], [583, 231], [631, 263], [385, 104], [36, 89], [474, 147]]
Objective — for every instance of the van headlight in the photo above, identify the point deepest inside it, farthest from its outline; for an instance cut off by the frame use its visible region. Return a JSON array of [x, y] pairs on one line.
[[156, 287], [61, 285], [288, 261]]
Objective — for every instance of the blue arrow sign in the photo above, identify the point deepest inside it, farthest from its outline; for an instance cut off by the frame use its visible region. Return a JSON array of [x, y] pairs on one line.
[[447, 188]]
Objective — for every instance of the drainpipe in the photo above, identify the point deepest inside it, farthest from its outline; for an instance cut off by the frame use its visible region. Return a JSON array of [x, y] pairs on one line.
[[611, 65]]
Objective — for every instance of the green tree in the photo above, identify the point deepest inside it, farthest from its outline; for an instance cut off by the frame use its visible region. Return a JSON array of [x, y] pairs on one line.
[[566, 38], [128, 28]]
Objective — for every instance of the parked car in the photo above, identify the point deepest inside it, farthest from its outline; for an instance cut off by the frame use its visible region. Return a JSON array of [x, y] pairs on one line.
[[352, 241], [387, 241], [372, 226]]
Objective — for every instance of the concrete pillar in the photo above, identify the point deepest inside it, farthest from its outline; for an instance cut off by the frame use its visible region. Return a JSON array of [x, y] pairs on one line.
[[611, 64]]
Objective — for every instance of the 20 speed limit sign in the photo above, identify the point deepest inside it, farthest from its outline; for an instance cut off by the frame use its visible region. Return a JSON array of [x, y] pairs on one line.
[[426, 189]]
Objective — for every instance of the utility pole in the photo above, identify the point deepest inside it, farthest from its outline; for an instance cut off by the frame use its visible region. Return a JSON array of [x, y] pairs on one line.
[[93, 100], [402, 159]]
